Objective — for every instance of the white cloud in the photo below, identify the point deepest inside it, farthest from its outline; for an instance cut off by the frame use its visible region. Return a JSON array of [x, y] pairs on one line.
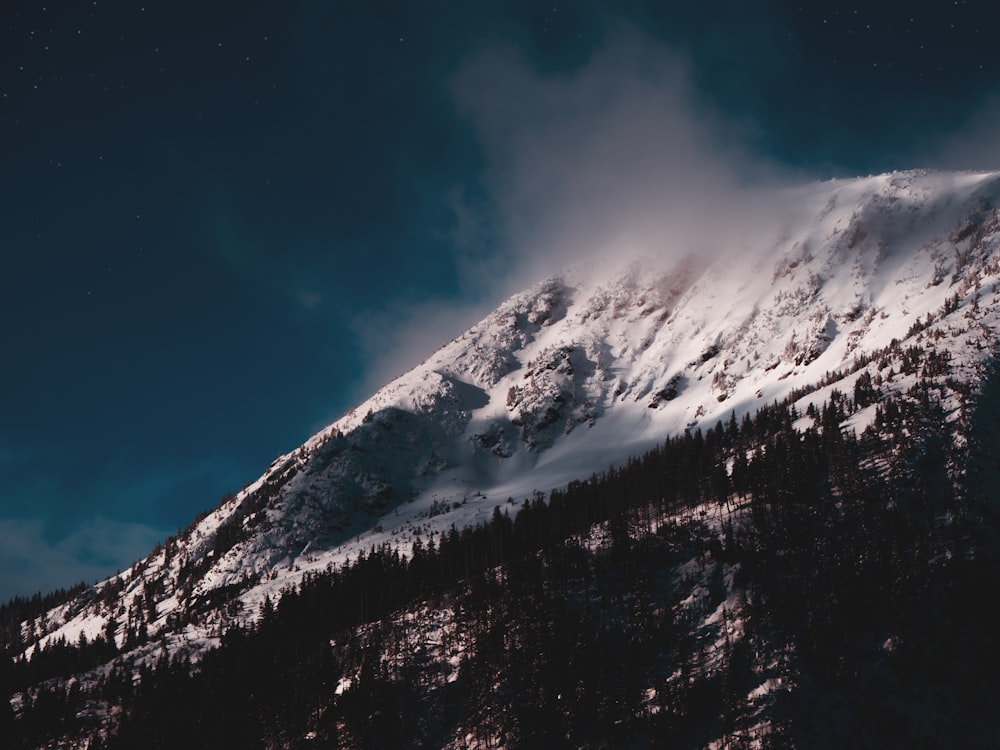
[[621, 157], [623, 153]]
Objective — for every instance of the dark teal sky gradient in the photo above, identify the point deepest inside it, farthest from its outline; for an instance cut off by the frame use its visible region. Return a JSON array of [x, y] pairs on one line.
[[212, 215]]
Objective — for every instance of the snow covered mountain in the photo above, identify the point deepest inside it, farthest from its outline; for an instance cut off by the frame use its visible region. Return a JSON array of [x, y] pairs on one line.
[[584, 370]]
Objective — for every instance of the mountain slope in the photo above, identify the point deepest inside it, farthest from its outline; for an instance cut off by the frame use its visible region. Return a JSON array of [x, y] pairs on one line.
[[878, 288]]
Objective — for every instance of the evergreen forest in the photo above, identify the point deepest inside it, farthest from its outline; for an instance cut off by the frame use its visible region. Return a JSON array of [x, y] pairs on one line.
[[778, 581]]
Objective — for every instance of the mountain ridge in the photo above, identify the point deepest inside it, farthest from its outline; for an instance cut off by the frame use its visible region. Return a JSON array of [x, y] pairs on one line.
[[582, 371]]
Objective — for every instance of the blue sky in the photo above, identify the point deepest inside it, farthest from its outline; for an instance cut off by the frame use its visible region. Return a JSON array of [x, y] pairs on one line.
[[224, 224]]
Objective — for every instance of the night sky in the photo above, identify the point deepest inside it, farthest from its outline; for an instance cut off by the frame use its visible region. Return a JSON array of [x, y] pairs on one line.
[[223, 224]]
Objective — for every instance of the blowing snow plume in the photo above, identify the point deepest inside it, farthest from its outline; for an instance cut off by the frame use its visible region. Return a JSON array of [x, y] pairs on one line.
[[619, 159]]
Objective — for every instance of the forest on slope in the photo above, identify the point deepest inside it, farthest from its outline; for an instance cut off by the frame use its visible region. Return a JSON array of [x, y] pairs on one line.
[[774, 582]]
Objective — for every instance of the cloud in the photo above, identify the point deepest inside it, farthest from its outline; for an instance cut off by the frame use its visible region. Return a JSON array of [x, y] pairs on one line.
[[623, 153], [620, 157], [30, 561]]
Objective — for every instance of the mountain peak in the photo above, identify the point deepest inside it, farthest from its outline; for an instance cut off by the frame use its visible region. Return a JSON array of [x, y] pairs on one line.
[[585, 369]]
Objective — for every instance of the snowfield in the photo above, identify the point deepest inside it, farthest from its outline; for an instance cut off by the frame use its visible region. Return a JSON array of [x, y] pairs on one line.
[[582, 371]]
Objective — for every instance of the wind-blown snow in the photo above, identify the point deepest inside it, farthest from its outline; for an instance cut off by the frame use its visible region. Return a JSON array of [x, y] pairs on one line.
[[592, 366]]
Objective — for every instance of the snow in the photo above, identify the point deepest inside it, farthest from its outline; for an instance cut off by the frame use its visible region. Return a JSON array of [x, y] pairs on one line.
[[600, 363], [767, 686], [87, 625]]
